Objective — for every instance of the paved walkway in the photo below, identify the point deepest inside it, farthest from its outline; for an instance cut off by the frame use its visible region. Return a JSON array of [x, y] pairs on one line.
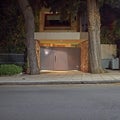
[[63, 77]]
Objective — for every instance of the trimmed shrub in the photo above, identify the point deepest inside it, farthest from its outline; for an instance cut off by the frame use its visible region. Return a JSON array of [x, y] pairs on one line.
[[10, 69]]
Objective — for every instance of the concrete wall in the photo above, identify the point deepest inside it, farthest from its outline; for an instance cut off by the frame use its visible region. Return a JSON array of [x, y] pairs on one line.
[[57, 35], [60, 35], [107, 52]]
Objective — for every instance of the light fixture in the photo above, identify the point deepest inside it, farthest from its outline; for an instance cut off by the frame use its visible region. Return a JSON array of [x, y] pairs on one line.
[[46, 51]]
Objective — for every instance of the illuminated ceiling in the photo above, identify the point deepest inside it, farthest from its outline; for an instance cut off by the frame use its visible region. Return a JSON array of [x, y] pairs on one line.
[[60, 43]]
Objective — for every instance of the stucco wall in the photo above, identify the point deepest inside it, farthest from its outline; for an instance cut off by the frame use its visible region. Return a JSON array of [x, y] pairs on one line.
[[57, 35], [107, 53], [108, 50]]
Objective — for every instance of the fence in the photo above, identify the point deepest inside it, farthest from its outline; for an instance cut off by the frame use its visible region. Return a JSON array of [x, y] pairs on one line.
[[12, 58]]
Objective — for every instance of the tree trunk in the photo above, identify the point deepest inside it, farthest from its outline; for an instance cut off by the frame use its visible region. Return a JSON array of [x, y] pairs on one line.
[[30, 43], [95, 65]]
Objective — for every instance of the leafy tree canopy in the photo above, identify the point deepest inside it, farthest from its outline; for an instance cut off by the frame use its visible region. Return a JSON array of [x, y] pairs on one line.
[[11, 28]]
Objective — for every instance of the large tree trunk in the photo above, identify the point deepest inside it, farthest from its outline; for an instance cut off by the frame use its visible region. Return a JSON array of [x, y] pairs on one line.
[[30, 27], [94, 37]]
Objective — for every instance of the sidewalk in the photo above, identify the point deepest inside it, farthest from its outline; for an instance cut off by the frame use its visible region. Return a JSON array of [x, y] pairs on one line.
[[63, 77]]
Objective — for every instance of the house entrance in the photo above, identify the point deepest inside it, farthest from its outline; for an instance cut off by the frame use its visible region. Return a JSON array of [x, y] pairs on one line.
[[60, 58]]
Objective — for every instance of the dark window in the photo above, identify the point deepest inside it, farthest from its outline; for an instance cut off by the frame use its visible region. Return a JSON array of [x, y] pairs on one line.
[[54, 20], [84, 21]]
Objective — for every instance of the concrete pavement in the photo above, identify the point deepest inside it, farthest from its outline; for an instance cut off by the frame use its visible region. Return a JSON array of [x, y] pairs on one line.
[[62, 77]]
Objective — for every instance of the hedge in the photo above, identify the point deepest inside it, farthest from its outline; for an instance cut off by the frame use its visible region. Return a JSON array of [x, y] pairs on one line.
[[10, 69]]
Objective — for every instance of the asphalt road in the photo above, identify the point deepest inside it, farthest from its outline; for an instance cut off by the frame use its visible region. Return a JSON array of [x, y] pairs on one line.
[[72, 102]]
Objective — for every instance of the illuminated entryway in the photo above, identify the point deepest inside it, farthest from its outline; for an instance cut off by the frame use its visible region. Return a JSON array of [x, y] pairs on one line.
[[62, 54]]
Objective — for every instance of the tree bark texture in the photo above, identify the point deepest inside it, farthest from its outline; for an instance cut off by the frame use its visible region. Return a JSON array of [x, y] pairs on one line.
[[30, 42], [95, 65]]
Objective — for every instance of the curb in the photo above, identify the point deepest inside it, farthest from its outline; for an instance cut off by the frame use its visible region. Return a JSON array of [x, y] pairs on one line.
[[61, 82]]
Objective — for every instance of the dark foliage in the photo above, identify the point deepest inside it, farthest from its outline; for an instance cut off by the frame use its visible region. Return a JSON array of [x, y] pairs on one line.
[[11, 28]]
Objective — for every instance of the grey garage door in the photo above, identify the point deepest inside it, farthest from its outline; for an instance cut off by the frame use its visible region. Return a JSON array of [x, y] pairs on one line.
[[54, 58]]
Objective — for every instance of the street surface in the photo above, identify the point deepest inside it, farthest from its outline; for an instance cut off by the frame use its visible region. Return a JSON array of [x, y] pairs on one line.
[[65, 102]]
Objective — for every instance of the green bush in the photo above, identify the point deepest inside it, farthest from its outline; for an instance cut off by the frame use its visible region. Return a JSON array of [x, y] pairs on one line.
[[10, 69]]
